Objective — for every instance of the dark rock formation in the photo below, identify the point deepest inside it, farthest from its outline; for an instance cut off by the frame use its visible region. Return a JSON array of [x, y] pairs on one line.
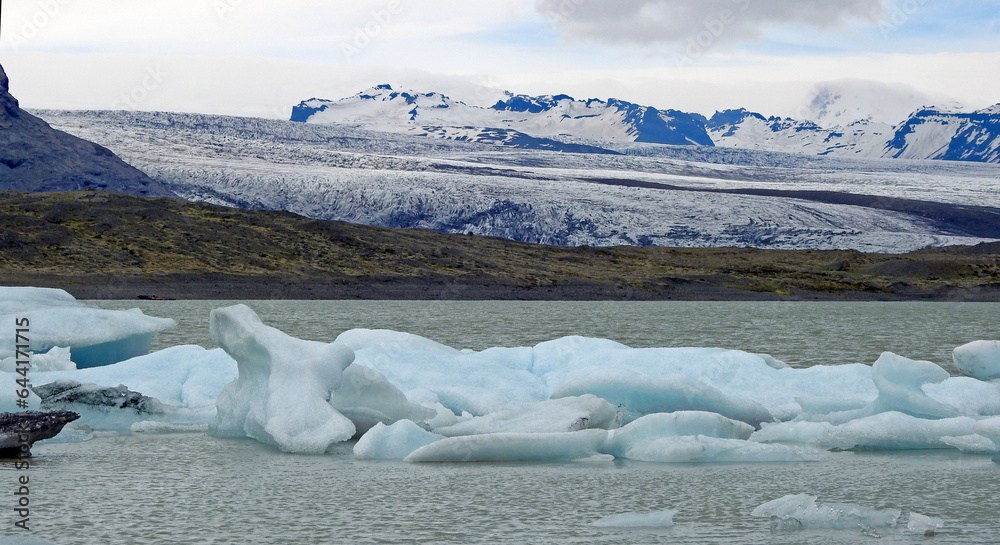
[[30, 426], [66, 393], [36, 157]]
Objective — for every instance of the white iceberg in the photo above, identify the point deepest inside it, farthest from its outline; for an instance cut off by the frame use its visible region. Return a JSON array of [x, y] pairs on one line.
[[900, 382], [653, 519], [94, 336], [643, 395], [924, 524], [978, 359], [556, 415], [690, 436], [367, 398], [800, 511], [393, 442], [896, 431], [281, 396], [511, 447]]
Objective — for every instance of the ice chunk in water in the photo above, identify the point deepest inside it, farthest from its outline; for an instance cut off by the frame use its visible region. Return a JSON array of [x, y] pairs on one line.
[[393, 442], [282, 394], [94, 336], [801, 511], [900, 384], [971, 444], [644, 395], [654, 519], [505, 447], [924, 524], [896, 431], [979, 359], [690, 436], [366, 397], [556, 415]]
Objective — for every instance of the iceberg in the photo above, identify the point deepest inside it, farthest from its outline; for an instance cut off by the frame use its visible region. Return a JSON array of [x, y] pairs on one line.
[[900, 383], [978, 359], [556, 415], [393, 442], [654, 519], [367, 398], [513, 447], [281, 396], [924, 524], [475, 382], [184, 377], [644, 395], [799, 511], [690, 436], [94, 336], [896, 431]]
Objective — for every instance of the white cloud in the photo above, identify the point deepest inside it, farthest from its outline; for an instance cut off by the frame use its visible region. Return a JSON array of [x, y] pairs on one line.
[[677, 21]]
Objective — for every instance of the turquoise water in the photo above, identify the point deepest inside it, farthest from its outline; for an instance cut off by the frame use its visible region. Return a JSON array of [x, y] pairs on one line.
[[193, 488]]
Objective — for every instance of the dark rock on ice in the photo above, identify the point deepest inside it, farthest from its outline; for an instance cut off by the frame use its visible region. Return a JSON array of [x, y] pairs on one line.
[[38, 424], [63, 393]]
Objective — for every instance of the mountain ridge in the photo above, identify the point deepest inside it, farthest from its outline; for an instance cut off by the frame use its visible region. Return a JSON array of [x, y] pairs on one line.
[[927, 133]]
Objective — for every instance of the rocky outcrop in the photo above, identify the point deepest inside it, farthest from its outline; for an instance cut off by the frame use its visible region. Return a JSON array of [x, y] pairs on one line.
[[36, 157], [28, 427]]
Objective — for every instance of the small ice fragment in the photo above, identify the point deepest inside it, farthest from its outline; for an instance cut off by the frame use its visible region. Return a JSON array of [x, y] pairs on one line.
[[654, 519], [801, 511], [923, 524]]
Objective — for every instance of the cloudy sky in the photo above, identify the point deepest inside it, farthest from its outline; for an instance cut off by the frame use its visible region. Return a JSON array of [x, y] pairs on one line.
[[260, 57]]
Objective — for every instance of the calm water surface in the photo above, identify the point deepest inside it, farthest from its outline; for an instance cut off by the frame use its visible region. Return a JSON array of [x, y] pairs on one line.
[[193, 488]]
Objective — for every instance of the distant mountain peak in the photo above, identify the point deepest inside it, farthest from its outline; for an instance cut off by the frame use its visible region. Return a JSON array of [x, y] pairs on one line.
[[545, 116]]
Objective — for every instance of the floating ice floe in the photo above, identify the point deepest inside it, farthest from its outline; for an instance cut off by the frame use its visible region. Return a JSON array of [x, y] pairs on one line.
[[978, 359], [184, 381], [690, 436], [288, 391], [393, 442], [94, 336], [924, 524], [556, 415], [800, 511], [653, 519], [513, 447]]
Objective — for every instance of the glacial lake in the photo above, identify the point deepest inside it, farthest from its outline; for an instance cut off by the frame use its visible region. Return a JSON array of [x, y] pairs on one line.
[[194, 488]]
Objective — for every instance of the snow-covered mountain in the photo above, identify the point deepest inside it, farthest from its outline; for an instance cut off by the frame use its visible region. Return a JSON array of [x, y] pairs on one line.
[[750, 130], [844, 118], [548, 117], [937, 134]]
